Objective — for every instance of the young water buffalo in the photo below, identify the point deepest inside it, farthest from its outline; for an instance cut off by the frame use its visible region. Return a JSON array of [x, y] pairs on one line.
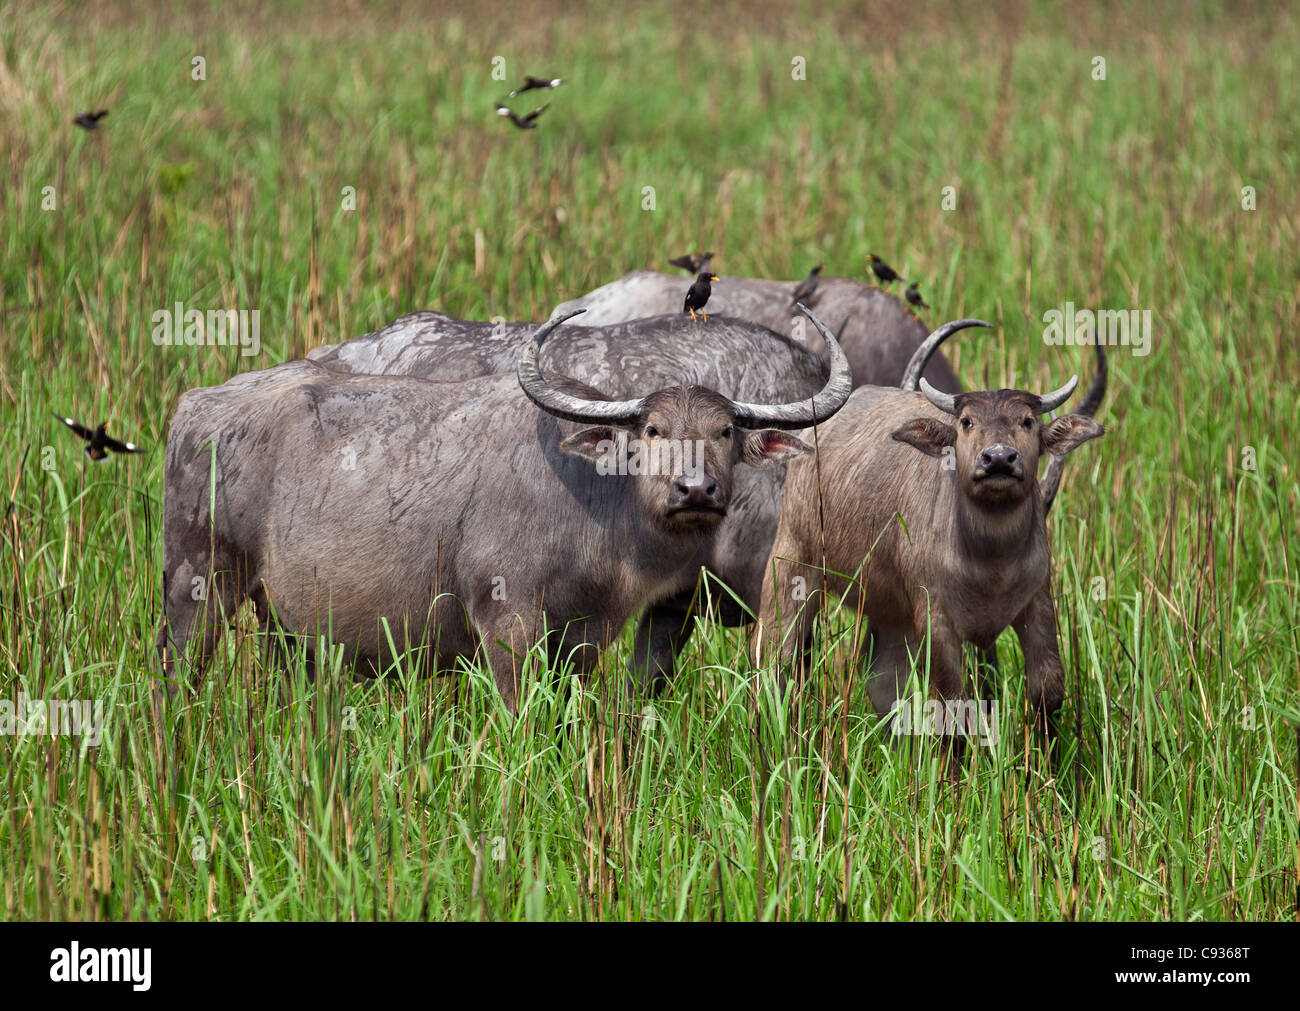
[[454, 514], [929, 517]]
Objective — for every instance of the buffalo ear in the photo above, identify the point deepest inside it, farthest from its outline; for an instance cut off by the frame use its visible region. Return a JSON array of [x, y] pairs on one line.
[[1068, 433], [930, 435], [595, 444], [770, 446]]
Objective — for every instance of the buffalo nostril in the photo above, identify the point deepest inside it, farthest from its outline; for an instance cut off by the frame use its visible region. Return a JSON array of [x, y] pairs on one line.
[[696, 489], [998, 457]]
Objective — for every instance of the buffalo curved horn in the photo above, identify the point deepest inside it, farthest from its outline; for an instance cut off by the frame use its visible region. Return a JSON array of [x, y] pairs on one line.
[[1051, 401], [921, 356], [803, 413], [1051, 480], [564, 405], [946, 402]]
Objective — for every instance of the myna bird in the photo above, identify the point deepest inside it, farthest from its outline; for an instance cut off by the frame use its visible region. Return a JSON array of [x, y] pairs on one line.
[[914, 297], [884, 272], [536, 82], [807, 286], [697, 297], [89, 120], [98, 441], [692, 264], [523, 122]]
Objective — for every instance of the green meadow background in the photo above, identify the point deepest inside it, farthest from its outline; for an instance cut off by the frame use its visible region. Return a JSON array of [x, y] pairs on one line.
[[1173, 793]]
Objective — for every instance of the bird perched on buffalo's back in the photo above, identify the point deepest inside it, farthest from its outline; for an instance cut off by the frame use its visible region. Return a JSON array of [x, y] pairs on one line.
[[914, 298], [884, 272], [697, 297], [692, 263], [98, 441], [807, 286], [528, 122], [531, 82], [89, 120]]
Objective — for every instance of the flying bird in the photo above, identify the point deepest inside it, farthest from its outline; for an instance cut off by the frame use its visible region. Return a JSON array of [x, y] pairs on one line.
[[807, 286], [692, 264], [697, 297], [89, 120], [914, 297], [528, 122], [884, 272], [536, 82], [98, 441]]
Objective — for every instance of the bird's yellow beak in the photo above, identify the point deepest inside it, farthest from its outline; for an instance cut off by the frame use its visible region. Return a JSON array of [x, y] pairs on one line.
[[712, 277]]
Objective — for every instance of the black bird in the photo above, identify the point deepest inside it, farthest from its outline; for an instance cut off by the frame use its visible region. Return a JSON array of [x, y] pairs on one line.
[[98, 441], [884, 272], [807, 286], [692, 263], [89, 120], [697, 297], [523, 122], [914, 297], [536, 82]]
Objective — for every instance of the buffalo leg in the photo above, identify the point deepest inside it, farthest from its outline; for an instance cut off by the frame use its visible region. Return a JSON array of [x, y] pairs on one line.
[[791, 587], [987, 663], [1036, 627], [196, 612], [508, 640], [887, 663], [505, 645], [947, 682], [660, 633], [278, 645], [783, 635]]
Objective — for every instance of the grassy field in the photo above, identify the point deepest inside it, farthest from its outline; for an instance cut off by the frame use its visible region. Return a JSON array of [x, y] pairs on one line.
[[1174, 793]]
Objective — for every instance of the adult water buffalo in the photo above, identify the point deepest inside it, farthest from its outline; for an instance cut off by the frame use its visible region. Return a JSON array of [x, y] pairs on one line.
[[388, 511], [741, 360]]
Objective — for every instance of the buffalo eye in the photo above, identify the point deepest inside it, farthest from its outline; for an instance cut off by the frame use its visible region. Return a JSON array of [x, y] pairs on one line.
[[651, 432], [726, 433], [1027, 424], [966, 424]]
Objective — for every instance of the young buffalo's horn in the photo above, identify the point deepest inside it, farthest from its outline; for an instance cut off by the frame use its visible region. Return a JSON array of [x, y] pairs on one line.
[[921, 356], [1051, 401], [946, 402]]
